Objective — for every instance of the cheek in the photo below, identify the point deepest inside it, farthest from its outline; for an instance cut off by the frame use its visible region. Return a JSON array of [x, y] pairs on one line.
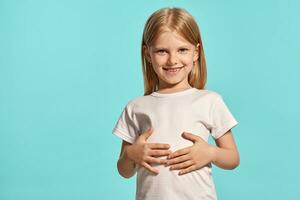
[[188, 60], [159, 60], [158, 67], [188, 68]]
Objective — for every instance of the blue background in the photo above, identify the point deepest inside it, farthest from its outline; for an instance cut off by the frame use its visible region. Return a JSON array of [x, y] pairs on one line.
[[68, 68]]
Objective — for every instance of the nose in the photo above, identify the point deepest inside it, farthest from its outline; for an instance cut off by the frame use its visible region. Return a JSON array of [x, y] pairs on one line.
[[172, 60]]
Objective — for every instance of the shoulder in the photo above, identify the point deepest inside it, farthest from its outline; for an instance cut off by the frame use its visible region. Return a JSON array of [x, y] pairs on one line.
[[137, 101], [209, 94]]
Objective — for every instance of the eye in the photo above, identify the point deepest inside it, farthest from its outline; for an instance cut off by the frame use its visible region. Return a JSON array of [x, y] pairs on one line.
[[161, 51], [183, 50]]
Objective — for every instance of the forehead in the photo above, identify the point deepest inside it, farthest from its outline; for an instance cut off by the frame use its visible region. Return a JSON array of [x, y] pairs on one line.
[[170, 38]]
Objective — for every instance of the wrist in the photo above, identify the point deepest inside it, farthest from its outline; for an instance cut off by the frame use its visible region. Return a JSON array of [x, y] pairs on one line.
[[127, 153], [213, 150]]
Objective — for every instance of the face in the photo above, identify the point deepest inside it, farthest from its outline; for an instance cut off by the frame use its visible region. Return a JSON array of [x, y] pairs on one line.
[[172, 58]]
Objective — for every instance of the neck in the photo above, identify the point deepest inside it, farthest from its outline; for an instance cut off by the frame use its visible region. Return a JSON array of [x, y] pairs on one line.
[[173, 89]]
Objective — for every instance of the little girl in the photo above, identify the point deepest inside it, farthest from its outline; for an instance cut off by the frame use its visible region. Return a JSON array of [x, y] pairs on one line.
[[165, 132]]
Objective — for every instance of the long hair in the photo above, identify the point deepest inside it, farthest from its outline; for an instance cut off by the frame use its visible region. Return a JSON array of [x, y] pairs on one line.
[[183, 23]]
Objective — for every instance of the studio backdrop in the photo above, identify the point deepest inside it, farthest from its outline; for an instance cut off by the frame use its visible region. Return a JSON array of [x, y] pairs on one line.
[[68, 68]]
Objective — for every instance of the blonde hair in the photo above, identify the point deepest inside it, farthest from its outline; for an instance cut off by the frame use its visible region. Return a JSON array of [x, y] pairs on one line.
[[180, 21]]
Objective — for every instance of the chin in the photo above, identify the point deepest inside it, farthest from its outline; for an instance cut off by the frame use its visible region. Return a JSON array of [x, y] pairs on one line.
[[172, 82]]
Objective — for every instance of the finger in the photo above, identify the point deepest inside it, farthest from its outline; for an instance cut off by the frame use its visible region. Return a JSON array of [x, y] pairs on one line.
[[179, 153], [156, 160], [190, 136], [182, 165], [150, 168], [160, 152], [187, 170], [147, 134], [158, 146], [178, 159]]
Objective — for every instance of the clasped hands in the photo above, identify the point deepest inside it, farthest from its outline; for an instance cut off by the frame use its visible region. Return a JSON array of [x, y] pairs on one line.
[[186, 160]]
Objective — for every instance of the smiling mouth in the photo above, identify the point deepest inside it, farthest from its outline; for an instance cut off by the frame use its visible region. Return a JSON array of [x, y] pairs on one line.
[[173, 69]]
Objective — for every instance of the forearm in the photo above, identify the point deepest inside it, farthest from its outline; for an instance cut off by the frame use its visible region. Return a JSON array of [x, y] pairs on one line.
[[126, 167], [225, 158]]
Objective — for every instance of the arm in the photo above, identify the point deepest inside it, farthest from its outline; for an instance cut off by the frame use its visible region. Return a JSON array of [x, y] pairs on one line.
[[126, 167], [225, 154], [141, 153]]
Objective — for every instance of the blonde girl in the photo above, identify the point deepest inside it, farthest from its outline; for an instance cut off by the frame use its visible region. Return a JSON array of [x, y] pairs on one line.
[[165, 132]]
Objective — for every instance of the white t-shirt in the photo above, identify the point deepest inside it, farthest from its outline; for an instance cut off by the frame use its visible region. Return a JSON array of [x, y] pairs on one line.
[[200, 112]]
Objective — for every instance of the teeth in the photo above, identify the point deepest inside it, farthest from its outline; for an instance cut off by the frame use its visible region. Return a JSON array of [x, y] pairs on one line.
[[173, 69]]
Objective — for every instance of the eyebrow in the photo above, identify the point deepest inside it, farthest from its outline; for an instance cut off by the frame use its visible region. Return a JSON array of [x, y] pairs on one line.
[[157, 48]]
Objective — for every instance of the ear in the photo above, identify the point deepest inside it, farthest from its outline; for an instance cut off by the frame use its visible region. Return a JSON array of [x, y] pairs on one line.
[[197, 52], [146, 53]]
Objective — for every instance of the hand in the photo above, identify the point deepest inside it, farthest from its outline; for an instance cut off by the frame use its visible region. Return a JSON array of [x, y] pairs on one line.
[[144, 154], [191, 158]]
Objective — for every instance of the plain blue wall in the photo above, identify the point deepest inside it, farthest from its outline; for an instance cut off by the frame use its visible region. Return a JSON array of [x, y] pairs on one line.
[[67, 69]]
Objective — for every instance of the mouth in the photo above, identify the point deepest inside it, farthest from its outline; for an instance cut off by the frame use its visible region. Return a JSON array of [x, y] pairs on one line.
[[173, 69]]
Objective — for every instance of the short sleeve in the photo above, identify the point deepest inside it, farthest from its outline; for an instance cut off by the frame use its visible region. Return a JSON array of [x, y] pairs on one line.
[[221, 118], [125, 127]]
